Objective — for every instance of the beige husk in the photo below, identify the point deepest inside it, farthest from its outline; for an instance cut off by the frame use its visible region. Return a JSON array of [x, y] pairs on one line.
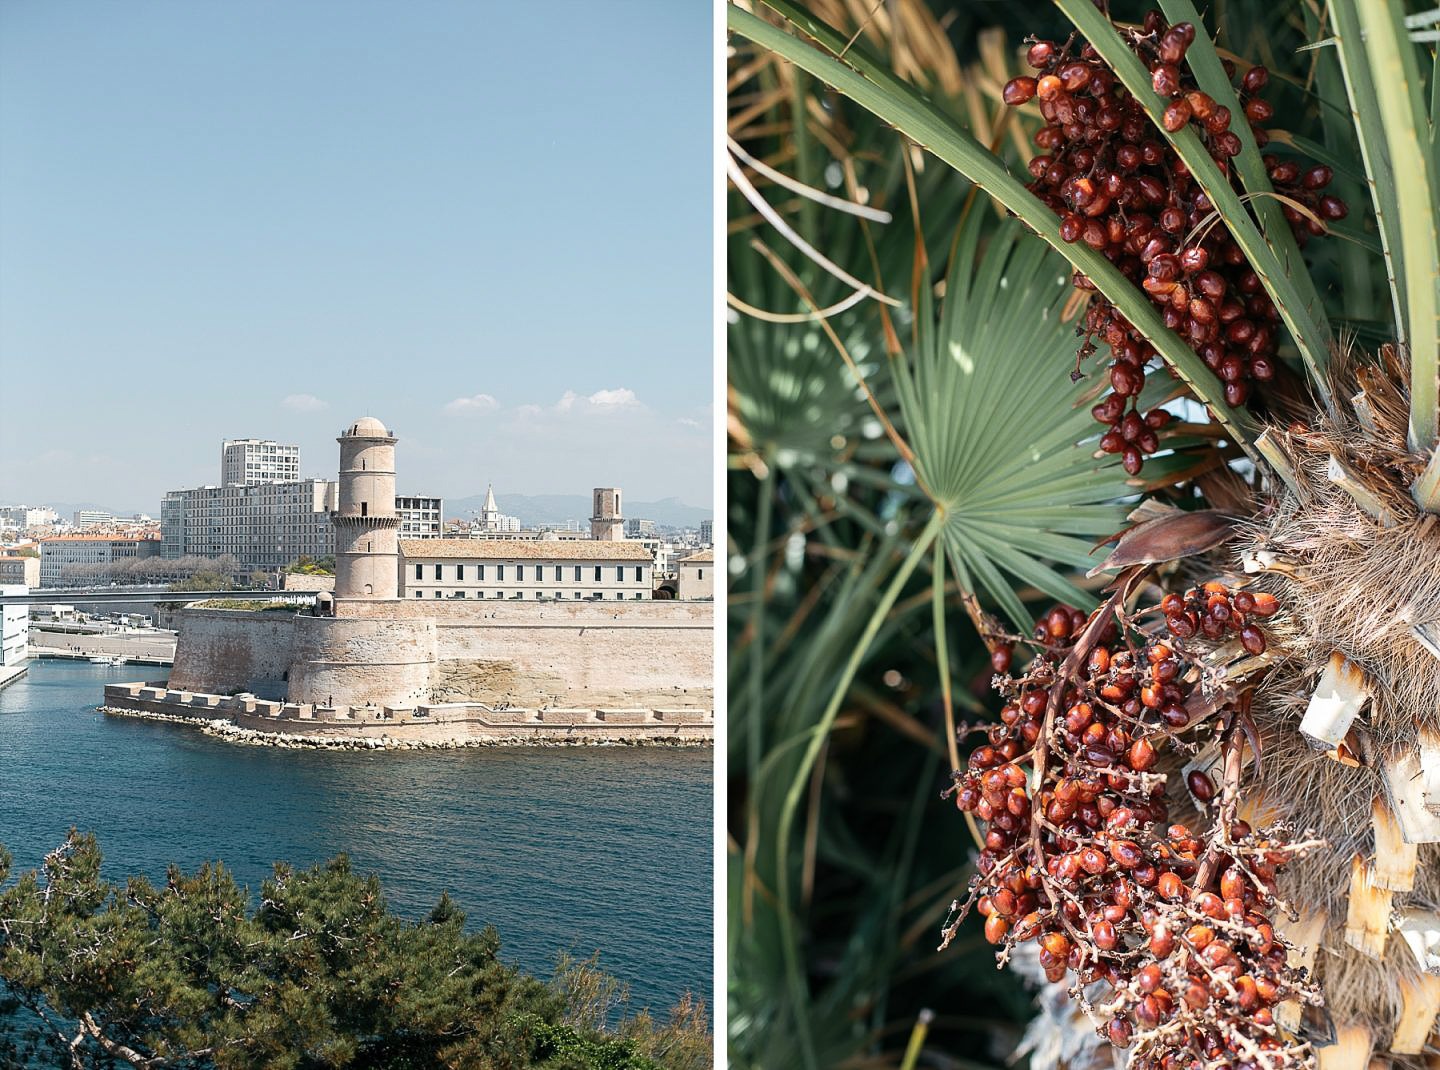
[[1361, 589], [1356, 579]]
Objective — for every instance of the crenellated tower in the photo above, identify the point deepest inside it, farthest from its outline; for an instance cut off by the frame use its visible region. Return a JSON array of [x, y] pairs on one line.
[[607, 521], [366, 527]]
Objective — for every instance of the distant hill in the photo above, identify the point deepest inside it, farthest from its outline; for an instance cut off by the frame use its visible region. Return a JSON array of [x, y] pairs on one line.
[[541, 510]]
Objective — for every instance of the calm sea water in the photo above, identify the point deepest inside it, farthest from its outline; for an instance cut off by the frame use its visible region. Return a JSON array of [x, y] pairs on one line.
[[577, 849]]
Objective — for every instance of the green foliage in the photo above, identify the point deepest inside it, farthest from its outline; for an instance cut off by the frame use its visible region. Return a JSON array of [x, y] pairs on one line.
[[305, 565], [253, 605], [563, 1047], [319, 975], [833, 894], [995, 422], [205, 580], [1387, 102], [594, 999]]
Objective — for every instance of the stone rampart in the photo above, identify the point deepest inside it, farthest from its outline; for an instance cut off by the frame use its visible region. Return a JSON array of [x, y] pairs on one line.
[[587, 655], [449, 724], [356, 662], [591, 654], [225, 651]]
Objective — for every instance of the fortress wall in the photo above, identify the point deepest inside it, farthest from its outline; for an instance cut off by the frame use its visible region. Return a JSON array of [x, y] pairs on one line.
[[590, 655], [229, 650], [355, 662], [458, 725], [581, 654]]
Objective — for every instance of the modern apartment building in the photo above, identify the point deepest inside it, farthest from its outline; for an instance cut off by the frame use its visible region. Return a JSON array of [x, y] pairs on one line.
[[254, 460], [420, 517], [707, 528], [61, 556], [264, 525], [94, 518], [525, 570], [661, 552]]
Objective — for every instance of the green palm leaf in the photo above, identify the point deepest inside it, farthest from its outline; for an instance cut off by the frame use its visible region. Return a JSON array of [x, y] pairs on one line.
[[979, 398]]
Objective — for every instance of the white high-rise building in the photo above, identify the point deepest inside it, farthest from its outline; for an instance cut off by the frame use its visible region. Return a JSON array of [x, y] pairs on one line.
[[707, 529], [265, 525], [93, 518], [262, 513], [254, 460], [420, 517]]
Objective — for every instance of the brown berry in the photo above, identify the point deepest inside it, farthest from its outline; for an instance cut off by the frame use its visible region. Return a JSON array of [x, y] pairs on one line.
[[1201, 786], [995, 928]]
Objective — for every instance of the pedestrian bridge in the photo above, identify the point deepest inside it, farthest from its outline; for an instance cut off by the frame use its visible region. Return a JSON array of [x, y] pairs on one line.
[[121, 595]]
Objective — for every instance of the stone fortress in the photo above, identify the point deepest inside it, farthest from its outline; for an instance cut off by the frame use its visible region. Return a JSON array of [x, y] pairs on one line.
[[367, 661]]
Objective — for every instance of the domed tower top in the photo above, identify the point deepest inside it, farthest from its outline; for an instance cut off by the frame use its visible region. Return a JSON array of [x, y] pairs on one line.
[[366, 526], [367, 427]]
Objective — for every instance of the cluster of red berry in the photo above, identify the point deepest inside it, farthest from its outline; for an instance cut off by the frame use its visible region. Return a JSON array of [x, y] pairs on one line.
[[1118, 186], [1079, 855], [1214, 609]]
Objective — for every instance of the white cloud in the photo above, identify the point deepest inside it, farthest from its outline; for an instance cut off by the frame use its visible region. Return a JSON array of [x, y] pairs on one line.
[[477, 403], [685, 421], [304, 403], [619, 398], [613, 397]]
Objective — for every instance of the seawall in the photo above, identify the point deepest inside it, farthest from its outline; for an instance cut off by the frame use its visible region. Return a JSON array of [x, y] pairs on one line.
[[232, 650], [594, 655], [446, 724]]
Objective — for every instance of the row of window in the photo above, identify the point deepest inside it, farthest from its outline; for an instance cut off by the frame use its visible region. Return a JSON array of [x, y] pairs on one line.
[[520, 596], [520, 572]]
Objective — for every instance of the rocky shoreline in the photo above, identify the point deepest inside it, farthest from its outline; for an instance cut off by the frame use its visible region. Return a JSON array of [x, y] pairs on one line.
[[249, 737]]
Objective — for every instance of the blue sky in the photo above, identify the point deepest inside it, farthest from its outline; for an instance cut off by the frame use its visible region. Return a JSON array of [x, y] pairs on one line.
[[488, 224]]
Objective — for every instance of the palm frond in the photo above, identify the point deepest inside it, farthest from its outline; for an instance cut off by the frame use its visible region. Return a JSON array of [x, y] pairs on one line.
[[980, 397], [1383, 81], [871, 84]]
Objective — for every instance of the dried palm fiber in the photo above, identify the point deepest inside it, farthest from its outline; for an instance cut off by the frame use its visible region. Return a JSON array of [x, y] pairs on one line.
[[1357, 567], [1352, 582]]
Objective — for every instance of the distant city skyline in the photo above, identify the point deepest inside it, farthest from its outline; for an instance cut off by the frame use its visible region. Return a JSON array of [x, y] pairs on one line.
[[488, 228]]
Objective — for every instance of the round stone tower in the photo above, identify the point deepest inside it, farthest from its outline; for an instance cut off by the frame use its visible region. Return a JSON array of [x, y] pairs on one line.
[[366, 527]]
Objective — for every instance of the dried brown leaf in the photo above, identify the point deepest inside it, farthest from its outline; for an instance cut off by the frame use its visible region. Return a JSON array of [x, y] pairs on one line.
[[1169, 538]]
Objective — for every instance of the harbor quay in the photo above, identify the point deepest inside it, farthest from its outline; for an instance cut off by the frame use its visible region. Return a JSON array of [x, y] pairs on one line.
[[246, 718]]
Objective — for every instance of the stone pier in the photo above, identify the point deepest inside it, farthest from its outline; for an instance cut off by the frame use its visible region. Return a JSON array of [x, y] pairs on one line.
[[441, 724]]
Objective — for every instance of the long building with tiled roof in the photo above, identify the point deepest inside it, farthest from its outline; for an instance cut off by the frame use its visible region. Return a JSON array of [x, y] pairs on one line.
[[524, 569]]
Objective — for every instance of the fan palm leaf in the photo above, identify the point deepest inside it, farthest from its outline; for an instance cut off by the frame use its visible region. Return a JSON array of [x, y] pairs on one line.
[[978, 395]]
